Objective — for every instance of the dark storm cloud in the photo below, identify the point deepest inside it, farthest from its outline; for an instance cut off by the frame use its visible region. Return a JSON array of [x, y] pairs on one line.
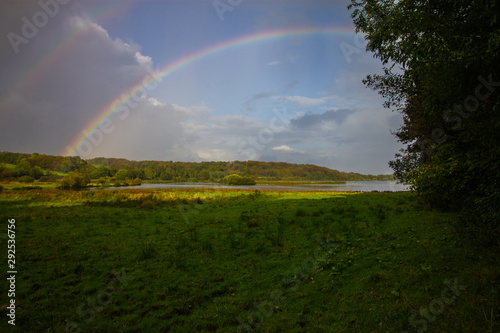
[[51, 92]]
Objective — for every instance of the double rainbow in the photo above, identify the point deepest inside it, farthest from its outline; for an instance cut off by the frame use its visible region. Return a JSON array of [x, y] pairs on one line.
[[117, 102]]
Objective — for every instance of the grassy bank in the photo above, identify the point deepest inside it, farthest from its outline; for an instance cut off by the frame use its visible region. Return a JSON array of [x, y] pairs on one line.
[[292, 183], [185, 260], [18, 186]]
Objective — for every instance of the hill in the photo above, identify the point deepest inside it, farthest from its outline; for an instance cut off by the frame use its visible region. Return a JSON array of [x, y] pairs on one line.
[[49, 166], [168, 170]]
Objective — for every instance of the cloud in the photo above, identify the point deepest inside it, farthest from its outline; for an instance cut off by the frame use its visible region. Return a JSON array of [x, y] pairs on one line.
[[144, 61], [286, 60], [304, 101], [251, 102], [46, 109], [311, 120], [284, 147], [155, 102], [154, 131], [274, 63]]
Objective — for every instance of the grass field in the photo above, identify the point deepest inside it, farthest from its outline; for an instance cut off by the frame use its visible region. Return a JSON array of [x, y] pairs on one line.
[[188, 260], [30, 186]]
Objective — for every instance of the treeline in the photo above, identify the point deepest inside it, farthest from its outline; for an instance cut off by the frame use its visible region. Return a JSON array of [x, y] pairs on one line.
[[30, 167], [48, 167], [215, 171]]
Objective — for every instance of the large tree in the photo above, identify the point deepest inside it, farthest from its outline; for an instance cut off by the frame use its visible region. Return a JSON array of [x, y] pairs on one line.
[[442, 71]]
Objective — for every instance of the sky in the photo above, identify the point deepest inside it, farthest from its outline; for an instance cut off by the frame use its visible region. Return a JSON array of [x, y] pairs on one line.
[[211, 80]]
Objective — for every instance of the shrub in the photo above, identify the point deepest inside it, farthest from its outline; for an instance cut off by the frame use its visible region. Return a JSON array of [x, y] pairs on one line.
[[237, 180], [103, 181], [26, 179], [74, 180], [444, 182], [133, 182], [47, 178]]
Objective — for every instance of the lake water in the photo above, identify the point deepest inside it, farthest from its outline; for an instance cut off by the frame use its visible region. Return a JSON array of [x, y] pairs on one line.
[[356, 186]]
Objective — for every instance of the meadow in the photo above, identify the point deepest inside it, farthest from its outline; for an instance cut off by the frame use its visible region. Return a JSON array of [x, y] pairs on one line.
[[185, 260]]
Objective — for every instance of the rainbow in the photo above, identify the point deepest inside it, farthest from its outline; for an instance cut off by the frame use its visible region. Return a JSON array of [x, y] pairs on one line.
[[119, 103]]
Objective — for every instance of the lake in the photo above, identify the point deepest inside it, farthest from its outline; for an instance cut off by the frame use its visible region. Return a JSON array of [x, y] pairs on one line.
[[355, 186]]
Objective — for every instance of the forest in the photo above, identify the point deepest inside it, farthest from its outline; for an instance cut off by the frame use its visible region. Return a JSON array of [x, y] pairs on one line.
[[30, 167]]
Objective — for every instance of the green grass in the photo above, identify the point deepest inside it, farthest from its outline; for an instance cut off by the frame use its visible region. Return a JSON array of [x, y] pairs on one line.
[[18, 186], [185, 260]]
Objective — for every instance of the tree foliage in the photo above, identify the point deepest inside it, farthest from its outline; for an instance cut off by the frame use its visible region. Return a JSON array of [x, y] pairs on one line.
[[121, 169], [442, 71], [74, 180], [237, 180]]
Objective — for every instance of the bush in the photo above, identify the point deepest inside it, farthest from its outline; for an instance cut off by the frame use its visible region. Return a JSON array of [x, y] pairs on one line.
[[133, 182], [237, 180], [74, 180], [444, 182], [103, 182], [1, 188], [26, 179]]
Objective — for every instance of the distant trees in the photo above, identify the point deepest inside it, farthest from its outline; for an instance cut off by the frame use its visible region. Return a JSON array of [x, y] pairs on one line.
[[28, 163], [121, 174], [5, 173], [24, 168], [215, 171], [100, 172], [47, 167]]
